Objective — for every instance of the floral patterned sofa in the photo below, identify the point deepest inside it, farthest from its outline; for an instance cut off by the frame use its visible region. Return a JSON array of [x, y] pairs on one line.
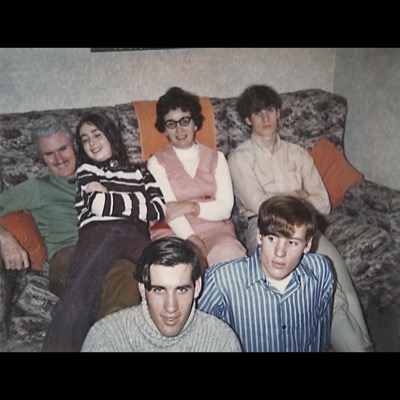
[[365, 226]]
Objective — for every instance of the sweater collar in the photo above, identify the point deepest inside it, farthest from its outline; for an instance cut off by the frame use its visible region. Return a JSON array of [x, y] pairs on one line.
[[155, 336]]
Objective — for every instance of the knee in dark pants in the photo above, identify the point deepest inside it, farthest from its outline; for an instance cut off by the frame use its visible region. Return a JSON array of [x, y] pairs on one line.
[[58, 270], [119, 289]]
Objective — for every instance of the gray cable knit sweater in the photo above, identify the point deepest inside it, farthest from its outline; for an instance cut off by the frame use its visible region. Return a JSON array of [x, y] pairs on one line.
[[133, 330]]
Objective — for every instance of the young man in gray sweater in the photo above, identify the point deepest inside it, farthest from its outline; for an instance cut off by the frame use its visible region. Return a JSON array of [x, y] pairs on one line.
[[170, 279]]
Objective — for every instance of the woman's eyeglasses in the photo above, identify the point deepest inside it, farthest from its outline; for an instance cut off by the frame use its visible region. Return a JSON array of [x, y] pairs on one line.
[[172, 124]]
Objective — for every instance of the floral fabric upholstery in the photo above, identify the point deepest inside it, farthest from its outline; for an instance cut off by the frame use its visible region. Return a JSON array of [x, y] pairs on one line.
[[365, 228], [18, 158]]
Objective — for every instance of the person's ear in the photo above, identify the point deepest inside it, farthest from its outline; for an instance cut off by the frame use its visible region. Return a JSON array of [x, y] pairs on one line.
[[278, 114], [247, 120], [308, 246], [142, 290], [259, 236], [197, 287]]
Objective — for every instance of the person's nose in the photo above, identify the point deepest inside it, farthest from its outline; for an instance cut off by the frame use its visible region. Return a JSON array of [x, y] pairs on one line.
[[265, 116], [280, 248], [170, 303], [91, 142], [58, 158]]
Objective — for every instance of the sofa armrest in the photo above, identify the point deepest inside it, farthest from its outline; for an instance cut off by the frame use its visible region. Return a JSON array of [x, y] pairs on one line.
[[357, 242], [365, 229], [374, 204], [394, 218]]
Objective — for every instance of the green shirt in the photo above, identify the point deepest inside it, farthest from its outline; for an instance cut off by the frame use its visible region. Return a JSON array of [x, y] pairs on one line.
[[51, 201]]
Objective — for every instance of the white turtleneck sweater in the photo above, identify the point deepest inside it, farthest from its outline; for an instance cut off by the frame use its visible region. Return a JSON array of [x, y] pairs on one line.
[[216, 210]]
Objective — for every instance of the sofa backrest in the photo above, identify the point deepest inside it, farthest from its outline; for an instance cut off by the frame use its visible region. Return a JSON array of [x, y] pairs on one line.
[[306, 116], [19, 159]]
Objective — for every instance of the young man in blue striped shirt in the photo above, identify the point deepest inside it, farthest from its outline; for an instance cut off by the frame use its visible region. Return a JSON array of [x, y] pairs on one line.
[[280, 298]]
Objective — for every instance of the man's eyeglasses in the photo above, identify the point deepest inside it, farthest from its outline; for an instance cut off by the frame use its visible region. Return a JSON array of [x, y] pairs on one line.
[[172, 124]]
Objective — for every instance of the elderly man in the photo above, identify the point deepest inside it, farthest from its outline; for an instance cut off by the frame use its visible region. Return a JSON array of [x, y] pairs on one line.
[[51, 202]]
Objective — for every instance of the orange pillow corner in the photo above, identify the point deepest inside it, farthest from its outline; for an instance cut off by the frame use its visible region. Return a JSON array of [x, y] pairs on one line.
[[22, 225], [336, 172]]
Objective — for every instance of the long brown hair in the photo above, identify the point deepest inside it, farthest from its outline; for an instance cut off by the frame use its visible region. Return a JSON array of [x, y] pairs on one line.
[[107, 125]]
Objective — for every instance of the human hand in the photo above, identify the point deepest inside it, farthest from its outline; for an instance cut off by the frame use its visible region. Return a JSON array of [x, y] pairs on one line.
[[13, 254], [200, 249], [95, 186], [176, 209]]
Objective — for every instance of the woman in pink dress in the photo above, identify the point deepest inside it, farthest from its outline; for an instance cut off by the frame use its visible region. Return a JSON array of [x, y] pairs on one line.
[[195, 181]]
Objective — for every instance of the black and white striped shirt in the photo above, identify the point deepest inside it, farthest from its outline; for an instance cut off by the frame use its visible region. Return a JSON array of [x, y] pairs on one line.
[[133, 193]]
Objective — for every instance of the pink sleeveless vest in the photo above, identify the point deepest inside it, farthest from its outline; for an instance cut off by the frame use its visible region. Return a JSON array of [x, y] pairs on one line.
[[202, 187], [219, 236]]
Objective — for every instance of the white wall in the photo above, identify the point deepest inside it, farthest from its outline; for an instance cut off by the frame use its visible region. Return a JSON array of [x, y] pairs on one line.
[[38, 79], [370, 80]]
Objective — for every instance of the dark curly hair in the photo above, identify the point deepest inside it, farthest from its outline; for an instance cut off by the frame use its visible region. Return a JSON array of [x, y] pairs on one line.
[[256, 98], [174, 98]]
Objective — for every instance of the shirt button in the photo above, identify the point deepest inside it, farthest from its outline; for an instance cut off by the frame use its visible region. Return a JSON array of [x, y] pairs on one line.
[[283, 326]]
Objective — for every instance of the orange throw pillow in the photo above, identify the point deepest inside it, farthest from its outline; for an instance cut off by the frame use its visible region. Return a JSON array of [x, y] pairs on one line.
[[24, 228], [336, 173]]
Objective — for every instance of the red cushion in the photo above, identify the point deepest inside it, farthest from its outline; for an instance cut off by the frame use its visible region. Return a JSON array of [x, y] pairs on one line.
[[337, 174], [24, 228]]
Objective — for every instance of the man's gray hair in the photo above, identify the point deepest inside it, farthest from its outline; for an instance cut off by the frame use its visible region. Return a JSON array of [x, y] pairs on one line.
[[48, 128]]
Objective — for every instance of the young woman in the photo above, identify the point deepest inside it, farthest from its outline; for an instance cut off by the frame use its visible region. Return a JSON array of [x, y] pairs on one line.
[[115, 203]]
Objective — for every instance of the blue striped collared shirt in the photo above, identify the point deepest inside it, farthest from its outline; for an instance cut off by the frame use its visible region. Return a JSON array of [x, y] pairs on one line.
[[265, 320]]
